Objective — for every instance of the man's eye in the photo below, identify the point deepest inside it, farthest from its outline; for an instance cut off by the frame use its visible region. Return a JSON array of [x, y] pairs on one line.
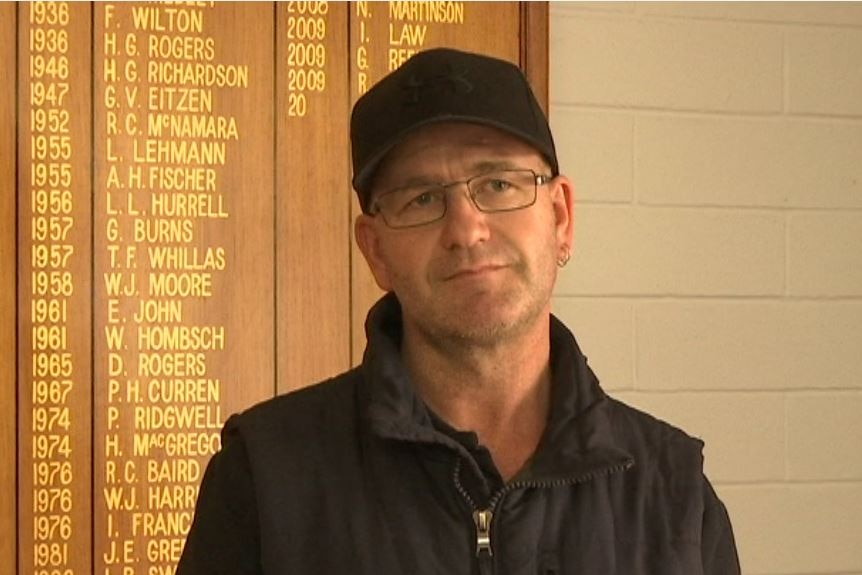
[[421, 200], [494, 186], [498, 185]]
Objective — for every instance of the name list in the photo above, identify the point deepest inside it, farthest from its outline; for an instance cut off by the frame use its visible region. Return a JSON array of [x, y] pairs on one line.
[[54, 365], [167, 143]]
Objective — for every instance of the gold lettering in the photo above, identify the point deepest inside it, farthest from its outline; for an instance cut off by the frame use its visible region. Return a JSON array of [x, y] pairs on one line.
[[109, 150], [119, 283], [120, 498], [398, 56], [172, 496], [151, 151], [111, 123], [179, 99], [429, 11], [110, 44], [113, 310], [172, 364], [171, 444], [160, 19], [182, 47], [130, 71], [51, 48], [109, 15], [362, 58], [200, 74], [189, 206], [165, 550], [112, 444], [165, 144], [131, 45], [113, 387], [124, 553], [164, 524], [131, 93], [173, 471], [110, 472], [109, 69], [135, 177], [408, 34], [187, 390], [154, 230], [174, 284], [192, 126], [186, 258], [180, 337], [131, 124], [157, 311], [173, 417], [133, 390], [182, 178]]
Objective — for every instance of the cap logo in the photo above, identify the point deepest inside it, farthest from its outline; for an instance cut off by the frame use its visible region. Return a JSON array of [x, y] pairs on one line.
[[454, 81]]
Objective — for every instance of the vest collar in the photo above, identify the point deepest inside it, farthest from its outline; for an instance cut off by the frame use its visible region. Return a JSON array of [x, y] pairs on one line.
[[577, 439]]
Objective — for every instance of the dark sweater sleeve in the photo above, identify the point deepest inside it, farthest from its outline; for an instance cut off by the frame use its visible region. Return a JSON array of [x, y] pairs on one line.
[[225, 535], [717, 542]]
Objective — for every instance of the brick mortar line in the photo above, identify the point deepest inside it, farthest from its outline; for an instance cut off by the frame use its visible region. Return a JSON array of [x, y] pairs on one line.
[[574, 12], [784, 392], [789, 483], [719, 207], [777, 298], [704, 114]]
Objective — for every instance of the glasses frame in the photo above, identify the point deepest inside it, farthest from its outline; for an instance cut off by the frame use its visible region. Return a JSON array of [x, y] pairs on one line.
[[538, 180]]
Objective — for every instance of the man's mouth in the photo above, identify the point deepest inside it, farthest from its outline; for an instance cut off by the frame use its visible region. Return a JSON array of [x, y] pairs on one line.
[[473, 271]]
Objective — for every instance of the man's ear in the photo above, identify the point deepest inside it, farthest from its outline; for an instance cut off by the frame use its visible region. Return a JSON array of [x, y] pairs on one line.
[[367, 238], [563, 200]]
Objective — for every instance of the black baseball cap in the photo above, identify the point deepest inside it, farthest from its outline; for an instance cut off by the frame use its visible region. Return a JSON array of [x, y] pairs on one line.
[[443, 85]]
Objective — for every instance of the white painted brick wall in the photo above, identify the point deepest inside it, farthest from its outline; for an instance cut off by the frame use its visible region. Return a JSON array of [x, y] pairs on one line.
[[686, 251], [759, 162], [716, 280], [823, 71], [825, 253]]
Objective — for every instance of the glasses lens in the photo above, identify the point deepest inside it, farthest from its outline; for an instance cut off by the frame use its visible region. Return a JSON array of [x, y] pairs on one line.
[[412, 206], [497, 191], [504, 190]]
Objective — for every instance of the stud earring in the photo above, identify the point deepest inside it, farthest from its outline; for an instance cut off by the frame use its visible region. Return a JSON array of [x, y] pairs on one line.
[[564, 257]]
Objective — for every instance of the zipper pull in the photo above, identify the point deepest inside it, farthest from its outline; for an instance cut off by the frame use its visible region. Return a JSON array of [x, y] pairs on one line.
[[482, 519]]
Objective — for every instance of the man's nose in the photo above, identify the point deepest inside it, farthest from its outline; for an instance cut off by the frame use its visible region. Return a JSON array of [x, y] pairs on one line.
[[464, 224]]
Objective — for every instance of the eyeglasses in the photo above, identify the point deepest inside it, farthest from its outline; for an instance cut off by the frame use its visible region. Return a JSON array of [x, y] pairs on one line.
[[497, 191]]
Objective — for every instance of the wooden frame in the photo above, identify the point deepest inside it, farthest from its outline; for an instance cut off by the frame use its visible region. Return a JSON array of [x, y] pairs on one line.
[[295, 291]]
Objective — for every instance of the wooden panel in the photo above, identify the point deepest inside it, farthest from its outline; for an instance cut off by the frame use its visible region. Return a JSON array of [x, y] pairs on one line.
[[383, 36], [183, 216], [54, 313], [7, 286], [178, 197], [313, 205], [535, 36]]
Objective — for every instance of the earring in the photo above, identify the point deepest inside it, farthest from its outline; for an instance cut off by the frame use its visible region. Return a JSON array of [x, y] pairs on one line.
[[564, 257]]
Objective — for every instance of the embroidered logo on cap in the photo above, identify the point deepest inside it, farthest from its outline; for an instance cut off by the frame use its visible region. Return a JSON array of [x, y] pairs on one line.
[[454, 81]]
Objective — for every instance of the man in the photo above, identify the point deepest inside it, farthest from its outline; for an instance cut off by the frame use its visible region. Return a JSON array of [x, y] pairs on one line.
[[473, 438]]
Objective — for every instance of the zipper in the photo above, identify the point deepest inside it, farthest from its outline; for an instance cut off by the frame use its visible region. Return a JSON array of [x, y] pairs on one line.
[[482, 518]]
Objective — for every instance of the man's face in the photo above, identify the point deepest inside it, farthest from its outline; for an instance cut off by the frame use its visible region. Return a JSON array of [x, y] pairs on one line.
[[471, 277]]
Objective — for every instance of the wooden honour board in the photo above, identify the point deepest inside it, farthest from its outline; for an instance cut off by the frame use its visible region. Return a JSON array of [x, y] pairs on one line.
[[175, 243]]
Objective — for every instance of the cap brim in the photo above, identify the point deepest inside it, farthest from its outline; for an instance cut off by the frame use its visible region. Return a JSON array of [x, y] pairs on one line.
[[362, 180]]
